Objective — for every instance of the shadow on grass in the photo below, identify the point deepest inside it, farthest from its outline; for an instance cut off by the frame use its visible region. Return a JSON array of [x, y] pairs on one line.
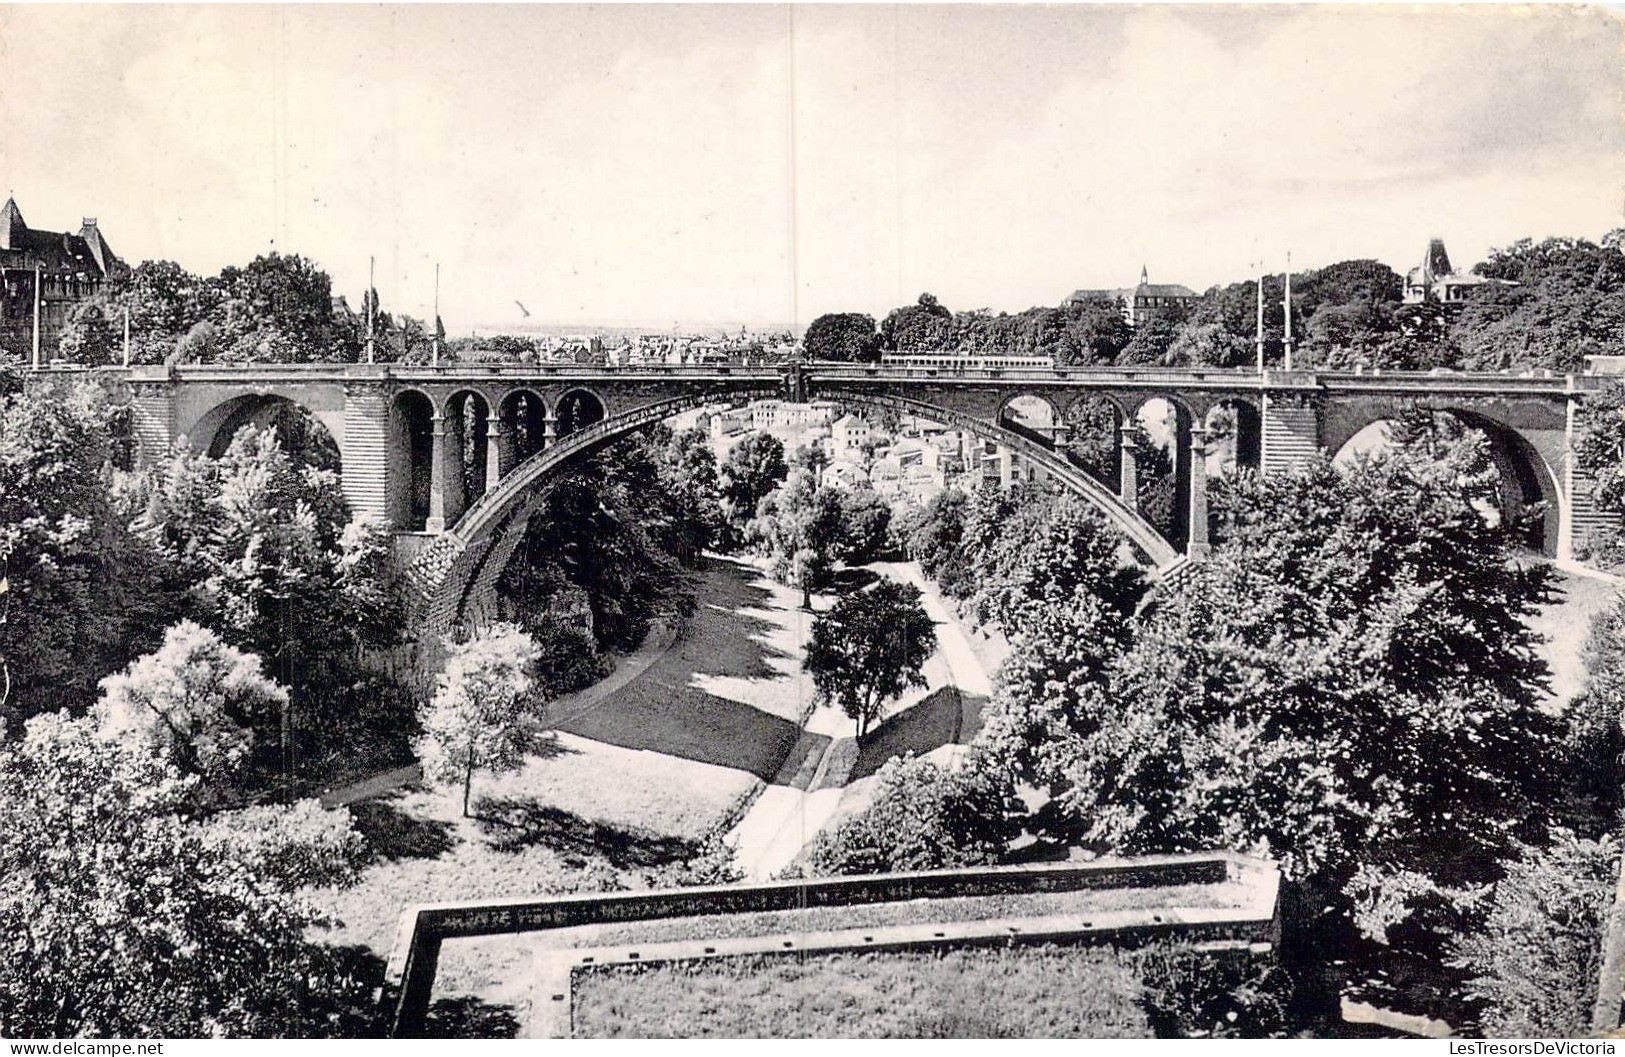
[[929, 724], [519, 822], [392, 834], [665, 709]]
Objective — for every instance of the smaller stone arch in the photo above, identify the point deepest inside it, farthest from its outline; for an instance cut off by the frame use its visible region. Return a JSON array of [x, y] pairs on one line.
[[522, 430], [578, 408], [1030, 414], [302, 435], [466, 450], [409, 471], [1090, 435], [1235, 437], [1161, 426]]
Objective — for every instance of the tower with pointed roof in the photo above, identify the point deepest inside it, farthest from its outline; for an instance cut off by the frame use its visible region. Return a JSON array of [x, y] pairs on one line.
[[70, 268], [1435, 279]]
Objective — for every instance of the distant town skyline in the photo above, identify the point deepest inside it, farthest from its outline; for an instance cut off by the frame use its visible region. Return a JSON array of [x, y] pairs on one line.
[[764, 165]]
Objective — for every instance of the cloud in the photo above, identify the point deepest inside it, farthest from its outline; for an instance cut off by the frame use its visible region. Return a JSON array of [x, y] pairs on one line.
[[759, 163]]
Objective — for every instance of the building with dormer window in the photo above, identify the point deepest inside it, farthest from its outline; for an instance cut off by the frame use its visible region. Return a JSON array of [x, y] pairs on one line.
[[71, 268]]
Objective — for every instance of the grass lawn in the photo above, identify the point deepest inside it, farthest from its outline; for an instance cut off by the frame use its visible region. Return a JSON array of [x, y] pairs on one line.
[[1042, 992], [626, 786]]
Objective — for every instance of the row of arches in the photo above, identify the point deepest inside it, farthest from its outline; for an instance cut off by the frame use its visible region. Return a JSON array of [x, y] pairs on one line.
[[1157, 455], [444, 456], [1147, 452]]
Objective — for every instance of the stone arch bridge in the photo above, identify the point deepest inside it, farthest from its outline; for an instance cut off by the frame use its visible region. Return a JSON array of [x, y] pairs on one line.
[[455, 457]]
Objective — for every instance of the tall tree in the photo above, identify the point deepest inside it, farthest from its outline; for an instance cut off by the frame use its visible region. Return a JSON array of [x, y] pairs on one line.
[[195, 701], [924, 326], [870, 647], [484, 715], [754, 467], [802, 529], [845, 336], [83, 595]]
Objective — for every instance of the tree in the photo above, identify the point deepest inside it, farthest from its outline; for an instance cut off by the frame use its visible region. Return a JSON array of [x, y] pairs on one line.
[[845, 336], [1153, 340], [84, 595], [1372, 615], [802, 529], [866, 526], [258, 539], [870, 647], [484, 715], [933, 537], [1046, 550], [810, 457], [601, 552], [754, 467], [122, 916], [195, 701], [1095, 333], [89, 337], [1536, 960], [924, 326], [278, 309], [1569, 303]]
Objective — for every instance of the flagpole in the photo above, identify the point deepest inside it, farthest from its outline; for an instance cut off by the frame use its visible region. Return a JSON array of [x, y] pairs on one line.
[[1287, 303], [435, 345], [1259, 330], [372, 297]]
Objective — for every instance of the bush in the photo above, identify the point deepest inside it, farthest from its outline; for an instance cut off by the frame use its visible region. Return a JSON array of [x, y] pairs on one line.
[[1534, 964], [923, 818]]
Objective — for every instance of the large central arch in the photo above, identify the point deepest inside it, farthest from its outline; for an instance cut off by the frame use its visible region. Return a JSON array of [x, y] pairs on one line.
[[463, 563]]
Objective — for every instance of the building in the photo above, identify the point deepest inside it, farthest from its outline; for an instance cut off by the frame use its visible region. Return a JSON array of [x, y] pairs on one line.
[[1436, 280], [71, 269], [1142, 301], [842, 475], [784, 414], [849, 434], [731, 422]]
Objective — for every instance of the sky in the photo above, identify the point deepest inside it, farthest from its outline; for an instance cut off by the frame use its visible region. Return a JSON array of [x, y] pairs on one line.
[[762, 165]]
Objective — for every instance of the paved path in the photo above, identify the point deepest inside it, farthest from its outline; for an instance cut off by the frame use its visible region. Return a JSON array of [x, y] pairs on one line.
[[790, 814]]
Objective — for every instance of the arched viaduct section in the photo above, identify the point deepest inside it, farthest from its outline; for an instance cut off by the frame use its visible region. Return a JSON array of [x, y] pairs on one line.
[[456, 457], [1529, 427]]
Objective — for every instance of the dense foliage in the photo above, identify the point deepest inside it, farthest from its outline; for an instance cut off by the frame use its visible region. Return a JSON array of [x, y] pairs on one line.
[[1562, 299], [1534, 965], [122, 915], [923, 817], [195, 701], [869, 647], [603, 557], [80, 594], [279, 308]]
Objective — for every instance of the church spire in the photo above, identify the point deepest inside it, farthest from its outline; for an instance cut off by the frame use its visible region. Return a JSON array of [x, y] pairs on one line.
[[1145, 278], [12, 225]]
